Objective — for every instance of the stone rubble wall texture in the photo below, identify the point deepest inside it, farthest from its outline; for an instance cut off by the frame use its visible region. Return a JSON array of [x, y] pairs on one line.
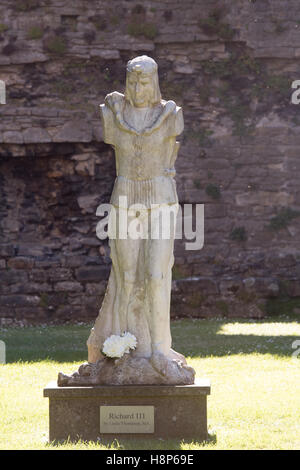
[[230, 64]]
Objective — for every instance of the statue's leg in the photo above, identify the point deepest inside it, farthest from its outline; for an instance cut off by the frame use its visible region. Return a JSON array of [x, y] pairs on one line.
[[159, 261], [113, 312], [127, 252], [103, 324]]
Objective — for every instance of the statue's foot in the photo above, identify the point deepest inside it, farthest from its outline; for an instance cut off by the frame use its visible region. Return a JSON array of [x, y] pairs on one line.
[[63, 379], [173, 369], [81, 377], [159, 362], [177, 356], [85, 369]]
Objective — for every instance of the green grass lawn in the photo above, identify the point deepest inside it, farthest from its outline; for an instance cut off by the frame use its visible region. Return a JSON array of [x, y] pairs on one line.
[[254, 402]]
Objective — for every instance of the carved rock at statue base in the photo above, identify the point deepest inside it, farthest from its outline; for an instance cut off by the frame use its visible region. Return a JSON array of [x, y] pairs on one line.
[[157, 370]]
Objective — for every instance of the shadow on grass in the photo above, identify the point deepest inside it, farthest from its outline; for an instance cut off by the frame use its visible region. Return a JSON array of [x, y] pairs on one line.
[[194, 338], [209, 338], [137, 444]]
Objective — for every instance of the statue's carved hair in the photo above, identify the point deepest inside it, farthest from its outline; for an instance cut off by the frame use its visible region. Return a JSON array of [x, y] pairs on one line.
[[148, 66]]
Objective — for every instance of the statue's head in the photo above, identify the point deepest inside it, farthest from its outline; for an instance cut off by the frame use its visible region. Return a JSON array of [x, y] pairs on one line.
[[142, 88]]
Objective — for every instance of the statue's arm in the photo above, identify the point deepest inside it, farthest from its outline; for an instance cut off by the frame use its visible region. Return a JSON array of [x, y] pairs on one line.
[[179, 123], [177, 128], [108, 127]]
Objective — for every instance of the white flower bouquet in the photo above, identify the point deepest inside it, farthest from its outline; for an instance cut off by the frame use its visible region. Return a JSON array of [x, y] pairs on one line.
[[116, 346]]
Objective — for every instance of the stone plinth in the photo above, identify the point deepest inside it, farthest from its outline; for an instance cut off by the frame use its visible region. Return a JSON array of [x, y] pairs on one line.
[[176, 411]]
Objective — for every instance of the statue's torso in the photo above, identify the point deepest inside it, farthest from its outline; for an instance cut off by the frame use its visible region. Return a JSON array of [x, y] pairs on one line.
[[144, 160]]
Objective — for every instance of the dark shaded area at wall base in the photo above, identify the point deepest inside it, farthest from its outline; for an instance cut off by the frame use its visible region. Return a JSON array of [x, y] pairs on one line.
[[180, 411]]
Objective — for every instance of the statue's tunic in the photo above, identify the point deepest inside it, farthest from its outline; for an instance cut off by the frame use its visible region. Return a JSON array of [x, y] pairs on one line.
[[145, 170], [145, 161]]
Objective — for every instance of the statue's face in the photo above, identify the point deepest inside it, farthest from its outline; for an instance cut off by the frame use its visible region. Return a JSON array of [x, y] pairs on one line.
[[141, 89]]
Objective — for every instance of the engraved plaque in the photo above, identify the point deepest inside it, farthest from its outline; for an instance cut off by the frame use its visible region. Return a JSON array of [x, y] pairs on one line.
[[127, 419]]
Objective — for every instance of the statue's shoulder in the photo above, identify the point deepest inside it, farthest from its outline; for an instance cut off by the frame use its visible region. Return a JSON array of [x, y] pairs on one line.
[[109, 110], [115, 101], [171, 109]]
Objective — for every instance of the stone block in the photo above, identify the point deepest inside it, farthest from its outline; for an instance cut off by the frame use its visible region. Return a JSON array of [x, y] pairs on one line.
[[60, 274], [92, 273], [68, 286], [34, 314], [97, 133], [47, 263], [265, 198], [13, 137], [88, 204], [105, 53], [39, 275], [74, 131], [35, 135], [179, 411], [34, 288], [197, 284], [86, 167], [30, 249], [96, 288], [20, 300], [12, 276], [74, 261], [28, 58], [6, 250], [20, 263]]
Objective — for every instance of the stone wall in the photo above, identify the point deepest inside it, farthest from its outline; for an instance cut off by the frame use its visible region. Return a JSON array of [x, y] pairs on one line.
[[230, 64]]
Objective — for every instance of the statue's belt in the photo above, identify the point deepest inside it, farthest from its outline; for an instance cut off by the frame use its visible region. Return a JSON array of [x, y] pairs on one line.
[[138, 176]]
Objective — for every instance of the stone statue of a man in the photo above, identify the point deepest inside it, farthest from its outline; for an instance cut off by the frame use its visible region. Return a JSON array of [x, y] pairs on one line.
[[142, 129]]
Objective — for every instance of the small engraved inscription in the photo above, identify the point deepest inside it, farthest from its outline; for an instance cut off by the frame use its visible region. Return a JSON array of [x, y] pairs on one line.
[[127, 419]]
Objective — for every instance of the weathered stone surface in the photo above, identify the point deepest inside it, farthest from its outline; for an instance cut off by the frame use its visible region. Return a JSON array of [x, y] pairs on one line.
[[74, 131], [157, 370], [30, 249], [105, 53], [7, 250], [88, 204], [92, 273], [20, 263], [96, 288], [265, 198], [36, 135], [13, 137], [47, 263], [75, 261], [38, 275], [68, 286], [86, 168], [27, 288], [198, 283], [11, 276], [59, 274], [20, 300], [28, 58]]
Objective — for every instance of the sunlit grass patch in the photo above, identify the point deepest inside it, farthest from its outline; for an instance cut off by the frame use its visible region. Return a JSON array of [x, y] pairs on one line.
[[261, 329]]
